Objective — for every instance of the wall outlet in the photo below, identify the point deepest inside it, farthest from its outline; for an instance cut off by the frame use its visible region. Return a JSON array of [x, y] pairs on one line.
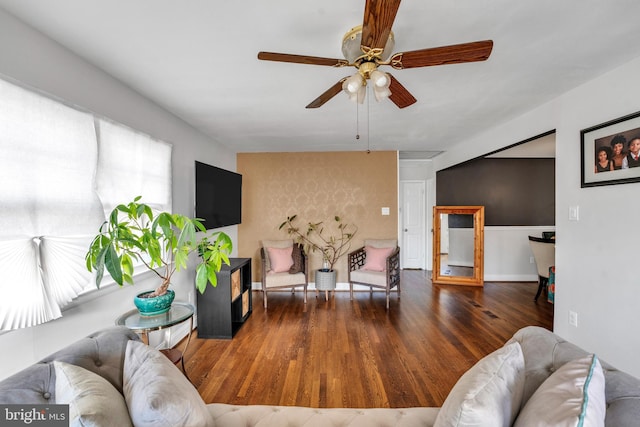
[[531, 260], [573, 318]]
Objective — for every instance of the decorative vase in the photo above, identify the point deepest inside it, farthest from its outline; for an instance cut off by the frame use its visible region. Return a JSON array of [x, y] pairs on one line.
[[154, 305]]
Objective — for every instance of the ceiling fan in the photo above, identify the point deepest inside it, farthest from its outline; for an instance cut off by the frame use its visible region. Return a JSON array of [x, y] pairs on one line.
[[368, 46]]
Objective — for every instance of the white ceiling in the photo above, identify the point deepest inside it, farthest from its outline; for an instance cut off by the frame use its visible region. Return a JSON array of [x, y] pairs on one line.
[[197, 59]]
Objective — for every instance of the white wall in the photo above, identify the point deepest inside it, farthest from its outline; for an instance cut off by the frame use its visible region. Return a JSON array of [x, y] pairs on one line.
[[35, 61], [595, 256], [507, 255]]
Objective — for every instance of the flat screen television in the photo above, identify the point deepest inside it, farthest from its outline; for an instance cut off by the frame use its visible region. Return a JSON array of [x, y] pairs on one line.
[[218, 196]]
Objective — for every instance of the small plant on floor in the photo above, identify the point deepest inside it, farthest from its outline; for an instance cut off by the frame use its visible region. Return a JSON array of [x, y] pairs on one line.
[[314, 238], [162, 243]]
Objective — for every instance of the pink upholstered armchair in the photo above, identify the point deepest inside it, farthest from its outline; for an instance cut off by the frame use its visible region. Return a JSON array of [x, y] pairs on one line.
[[377, 265]]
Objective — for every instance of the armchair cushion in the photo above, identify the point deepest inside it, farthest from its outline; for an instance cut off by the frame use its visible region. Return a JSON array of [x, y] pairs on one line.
[[376, 258], [274, 244], [298, 262], [278, 280], [376, 278], [280, 259]]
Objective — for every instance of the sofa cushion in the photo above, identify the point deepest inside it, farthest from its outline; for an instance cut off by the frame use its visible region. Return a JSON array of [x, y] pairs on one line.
[[376, 258], [280, 259], [92, 400], [157, 393], [295, 416], [574, 395], [489, 394]]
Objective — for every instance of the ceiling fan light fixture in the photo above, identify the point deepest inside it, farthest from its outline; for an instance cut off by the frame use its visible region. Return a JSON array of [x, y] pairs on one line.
[[380, 79], [358, 93], [353, 84]]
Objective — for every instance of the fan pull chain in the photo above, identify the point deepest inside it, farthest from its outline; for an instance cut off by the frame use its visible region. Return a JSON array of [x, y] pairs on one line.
[[357, 121], [368, 117]]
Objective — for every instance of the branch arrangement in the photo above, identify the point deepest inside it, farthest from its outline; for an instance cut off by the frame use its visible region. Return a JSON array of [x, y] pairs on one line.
[[332, 247]]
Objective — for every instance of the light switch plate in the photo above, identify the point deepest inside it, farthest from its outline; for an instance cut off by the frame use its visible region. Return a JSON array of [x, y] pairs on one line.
[[574, 213], [385, 211]]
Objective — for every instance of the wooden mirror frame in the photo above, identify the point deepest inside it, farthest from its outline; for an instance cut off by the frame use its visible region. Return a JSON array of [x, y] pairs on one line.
[[478, 247]]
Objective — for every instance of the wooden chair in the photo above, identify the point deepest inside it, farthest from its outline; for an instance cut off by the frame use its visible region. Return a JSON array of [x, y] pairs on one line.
[[386, 279], [272, 280], [544, 254]]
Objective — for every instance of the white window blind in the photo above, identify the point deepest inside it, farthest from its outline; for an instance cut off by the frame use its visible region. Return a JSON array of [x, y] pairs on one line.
[[132, 164], [47, 166]]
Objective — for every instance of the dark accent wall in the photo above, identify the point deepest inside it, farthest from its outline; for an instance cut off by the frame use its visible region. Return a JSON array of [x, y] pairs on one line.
[[460, 221], [513, 191]]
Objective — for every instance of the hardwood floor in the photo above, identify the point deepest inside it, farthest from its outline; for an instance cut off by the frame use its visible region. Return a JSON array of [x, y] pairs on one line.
[[342, 353]]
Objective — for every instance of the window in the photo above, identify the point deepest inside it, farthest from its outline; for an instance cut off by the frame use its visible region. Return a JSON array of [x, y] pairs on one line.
[[61, 172]]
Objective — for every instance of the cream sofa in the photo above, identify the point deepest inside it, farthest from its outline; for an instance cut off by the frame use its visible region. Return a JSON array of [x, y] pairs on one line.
[[165, 397]]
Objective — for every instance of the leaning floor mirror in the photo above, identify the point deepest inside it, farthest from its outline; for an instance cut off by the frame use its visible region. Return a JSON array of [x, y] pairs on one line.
[[458, 245]]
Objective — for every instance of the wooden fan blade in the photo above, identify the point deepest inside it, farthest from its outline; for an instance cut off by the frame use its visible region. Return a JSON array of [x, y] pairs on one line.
[[327, 95], [378, 20], [399, 94], [454, 54], [301, 59]]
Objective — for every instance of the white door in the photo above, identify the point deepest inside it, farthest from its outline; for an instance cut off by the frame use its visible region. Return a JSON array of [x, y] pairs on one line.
[[412, 249]]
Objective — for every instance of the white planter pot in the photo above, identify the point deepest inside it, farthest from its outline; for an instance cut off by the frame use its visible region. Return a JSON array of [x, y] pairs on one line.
[[325, 280]]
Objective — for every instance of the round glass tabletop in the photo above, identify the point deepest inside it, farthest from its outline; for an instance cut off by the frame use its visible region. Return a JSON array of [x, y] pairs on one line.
[[179, 312]]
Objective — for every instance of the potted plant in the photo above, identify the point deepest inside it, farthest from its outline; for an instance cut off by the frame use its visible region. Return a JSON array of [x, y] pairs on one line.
[[162, 243], [331, 246]]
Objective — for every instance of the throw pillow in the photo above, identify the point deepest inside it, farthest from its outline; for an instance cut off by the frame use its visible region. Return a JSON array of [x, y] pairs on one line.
[[280, 259], [157, 393], [296, 254], [376, 258], [489, 394], [92, 400], [571, 396]]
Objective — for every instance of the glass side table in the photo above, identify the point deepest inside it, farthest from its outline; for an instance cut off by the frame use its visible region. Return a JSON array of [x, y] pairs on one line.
[[179, 312]]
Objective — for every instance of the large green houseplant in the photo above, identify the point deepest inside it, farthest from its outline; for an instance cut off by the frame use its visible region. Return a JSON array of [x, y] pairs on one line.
[[161, 242]]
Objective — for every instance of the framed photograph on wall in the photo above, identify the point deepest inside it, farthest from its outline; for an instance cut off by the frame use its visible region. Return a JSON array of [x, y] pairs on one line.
[[610, 152]]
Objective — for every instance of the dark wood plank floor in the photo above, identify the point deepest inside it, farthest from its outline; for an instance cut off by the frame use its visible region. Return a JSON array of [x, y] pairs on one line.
[[342, 353]]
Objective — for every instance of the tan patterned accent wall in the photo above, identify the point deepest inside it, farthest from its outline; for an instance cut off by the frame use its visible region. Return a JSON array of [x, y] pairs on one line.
[[316, 187]]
